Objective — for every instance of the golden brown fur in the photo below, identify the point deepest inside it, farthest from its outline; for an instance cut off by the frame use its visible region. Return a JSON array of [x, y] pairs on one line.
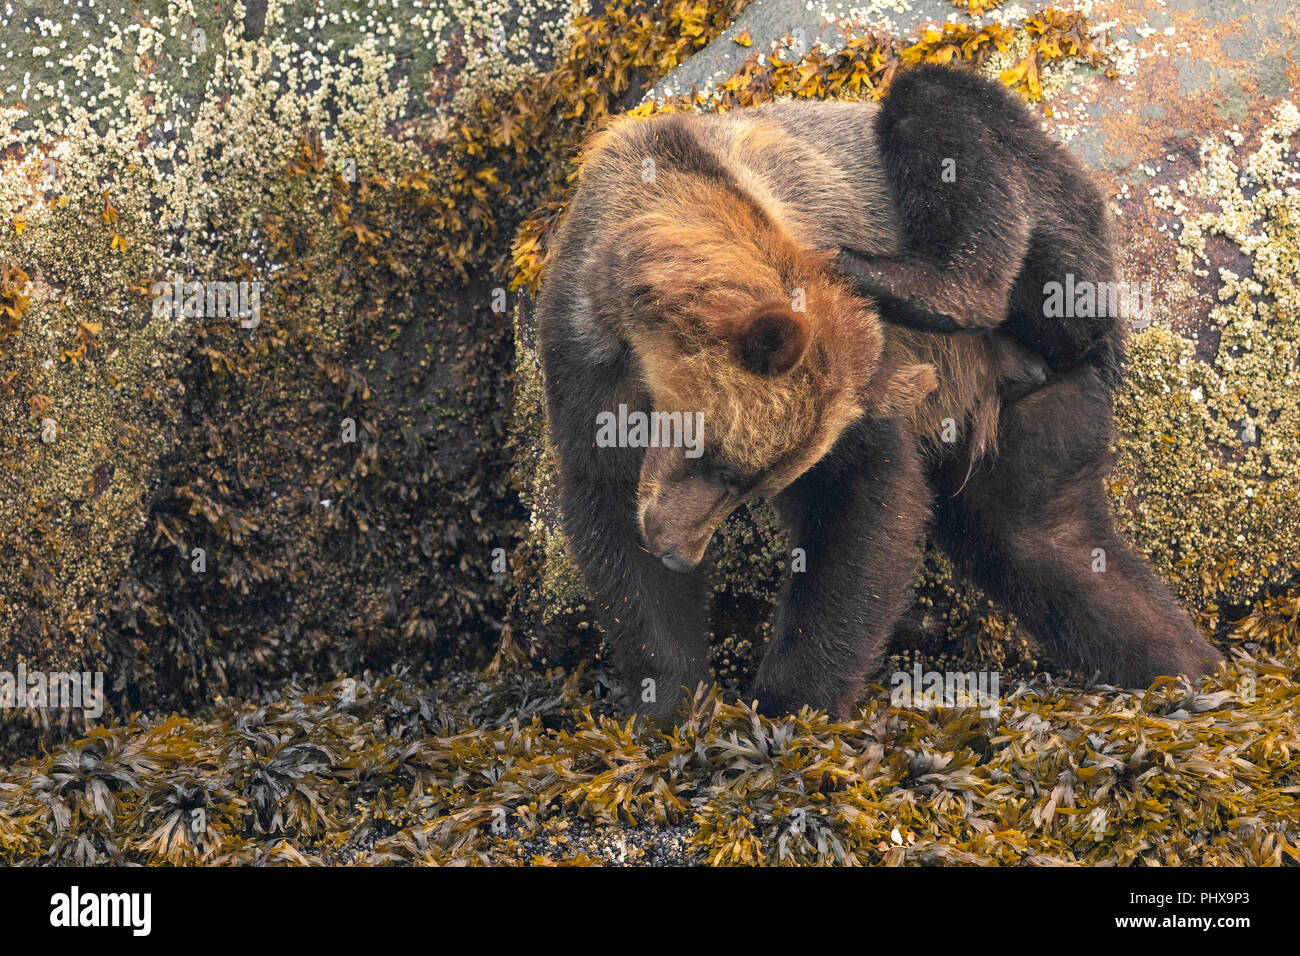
[[704, 256]]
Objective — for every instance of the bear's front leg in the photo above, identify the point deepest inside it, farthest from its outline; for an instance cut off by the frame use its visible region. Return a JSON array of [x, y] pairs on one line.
[[656, 620], [858, 516]]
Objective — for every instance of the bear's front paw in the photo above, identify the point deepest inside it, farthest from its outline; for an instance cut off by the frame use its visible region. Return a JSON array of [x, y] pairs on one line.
[[1190, 655], [1195, 657], [776, 702]]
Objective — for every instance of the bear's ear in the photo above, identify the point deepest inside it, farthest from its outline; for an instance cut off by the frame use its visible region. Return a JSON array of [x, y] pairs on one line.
[[899, 391], [769, 342]]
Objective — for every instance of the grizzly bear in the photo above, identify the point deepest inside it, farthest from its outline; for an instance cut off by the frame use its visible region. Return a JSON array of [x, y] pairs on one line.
[[757, 272]]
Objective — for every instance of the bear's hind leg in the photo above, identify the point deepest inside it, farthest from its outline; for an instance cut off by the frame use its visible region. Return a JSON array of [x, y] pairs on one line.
[[1033, 528], [912, 291]]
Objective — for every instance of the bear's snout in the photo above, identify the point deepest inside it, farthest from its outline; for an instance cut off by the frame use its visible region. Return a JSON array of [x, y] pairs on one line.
[[678, 545], [677, 527], [675, 562]]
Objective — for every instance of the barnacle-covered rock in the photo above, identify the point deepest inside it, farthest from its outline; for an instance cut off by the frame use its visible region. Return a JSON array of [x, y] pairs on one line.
[[200, 504]]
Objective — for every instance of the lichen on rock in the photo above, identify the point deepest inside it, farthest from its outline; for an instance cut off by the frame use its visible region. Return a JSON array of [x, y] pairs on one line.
[[1208, 479]]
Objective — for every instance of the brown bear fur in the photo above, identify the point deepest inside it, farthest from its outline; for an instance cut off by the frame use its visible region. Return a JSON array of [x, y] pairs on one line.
[[695, 271]]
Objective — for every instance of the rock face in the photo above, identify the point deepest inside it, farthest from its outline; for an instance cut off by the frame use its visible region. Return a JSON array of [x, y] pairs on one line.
[[201, 504], [1206, 481]]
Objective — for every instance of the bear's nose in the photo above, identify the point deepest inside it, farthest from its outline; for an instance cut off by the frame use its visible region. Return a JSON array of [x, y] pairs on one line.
[[675, 562]]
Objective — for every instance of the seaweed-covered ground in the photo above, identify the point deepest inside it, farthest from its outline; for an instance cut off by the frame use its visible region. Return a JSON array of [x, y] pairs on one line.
[[313, 551], [513, 766]]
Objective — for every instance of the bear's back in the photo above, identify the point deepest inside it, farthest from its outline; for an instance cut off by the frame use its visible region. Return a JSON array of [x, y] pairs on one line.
[[824, 166], [812, 165], [811, 168]]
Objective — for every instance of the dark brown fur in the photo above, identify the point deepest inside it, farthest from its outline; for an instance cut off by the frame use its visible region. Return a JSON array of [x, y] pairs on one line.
[[990, 210], [674, 292]]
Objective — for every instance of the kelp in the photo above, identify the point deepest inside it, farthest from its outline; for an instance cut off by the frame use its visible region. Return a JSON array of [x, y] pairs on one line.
[[520, 767]]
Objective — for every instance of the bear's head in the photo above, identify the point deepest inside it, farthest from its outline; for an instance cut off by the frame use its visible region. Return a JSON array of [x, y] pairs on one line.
[[736, 324]]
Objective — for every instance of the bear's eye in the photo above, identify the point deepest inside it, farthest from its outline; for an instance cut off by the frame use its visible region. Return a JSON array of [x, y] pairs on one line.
[[728, 479]]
